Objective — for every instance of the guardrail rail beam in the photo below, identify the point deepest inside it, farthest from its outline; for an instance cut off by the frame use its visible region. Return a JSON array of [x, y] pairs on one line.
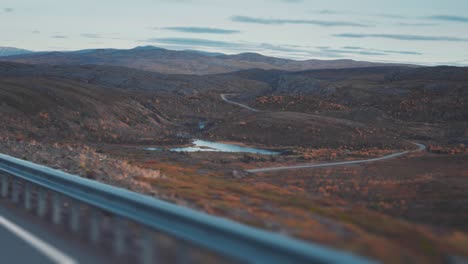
[[192, 232]]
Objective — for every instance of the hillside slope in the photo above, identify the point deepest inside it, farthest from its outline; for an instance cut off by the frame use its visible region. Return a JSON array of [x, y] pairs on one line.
[[10, 51], [122, 105], [425, 94], [59, 109]]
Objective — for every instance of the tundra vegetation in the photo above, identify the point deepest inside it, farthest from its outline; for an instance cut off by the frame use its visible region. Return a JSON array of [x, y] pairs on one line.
[[96, 121]]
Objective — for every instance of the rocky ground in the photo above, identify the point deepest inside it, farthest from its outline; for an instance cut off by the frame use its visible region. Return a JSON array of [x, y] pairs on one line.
[[95, 121]]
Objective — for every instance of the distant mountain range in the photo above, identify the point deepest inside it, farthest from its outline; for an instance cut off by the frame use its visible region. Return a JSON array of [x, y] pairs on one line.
[[9, 51], [150, 58]]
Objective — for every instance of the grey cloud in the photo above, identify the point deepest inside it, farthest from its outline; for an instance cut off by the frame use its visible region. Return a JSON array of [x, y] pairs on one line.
[[403, 52], [59, 37], [328, 12], [343, 12], [285, 48], [200, 30], [276, 21], [390, 16], [8, 10], [417, 24], [253, 47], [232, 46], [368, 53], [385, 15], [449, 18], [35, 31], [355, 51], [90, 35], [103, 36], [352, 47], [291, 50], [402, 37], [193, 42]]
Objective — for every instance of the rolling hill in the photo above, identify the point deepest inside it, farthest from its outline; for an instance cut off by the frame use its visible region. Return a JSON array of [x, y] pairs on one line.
[[10, 51], [156, 59], [322, 106]]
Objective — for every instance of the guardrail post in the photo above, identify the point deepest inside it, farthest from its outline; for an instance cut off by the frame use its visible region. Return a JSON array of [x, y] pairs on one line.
[[119, 207], [119, 236], [57, 209], [95, 226], [41, 202], [183, 252], [27, 196], [147, 247], [75, 216], [15, 191], [5, 185]]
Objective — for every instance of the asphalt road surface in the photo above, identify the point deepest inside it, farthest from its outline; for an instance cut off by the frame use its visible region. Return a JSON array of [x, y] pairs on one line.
[[22, 240], [16, 250], [421, 147]]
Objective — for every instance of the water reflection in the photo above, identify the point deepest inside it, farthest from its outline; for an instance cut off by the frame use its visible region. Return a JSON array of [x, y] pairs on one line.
[[203, 145]]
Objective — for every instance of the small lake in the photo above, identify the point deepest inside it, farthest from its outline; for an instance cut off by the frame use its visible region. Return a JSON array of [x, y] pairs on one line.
[[203, 145]]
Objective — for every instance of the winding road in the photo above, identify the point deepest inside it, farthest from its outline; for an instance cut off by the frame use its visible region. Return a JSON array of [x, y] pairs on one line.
[[421, 147], [223, 96]]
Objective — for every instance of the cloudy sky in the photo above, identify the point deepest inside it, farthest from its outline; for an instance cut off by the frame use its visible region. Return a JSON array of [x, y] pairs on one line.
[[415, 31]]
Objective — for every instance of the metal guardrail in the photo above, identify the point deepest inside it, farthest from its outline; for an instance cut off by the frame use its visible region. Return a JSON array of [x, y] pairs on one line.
[[45, 190]]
